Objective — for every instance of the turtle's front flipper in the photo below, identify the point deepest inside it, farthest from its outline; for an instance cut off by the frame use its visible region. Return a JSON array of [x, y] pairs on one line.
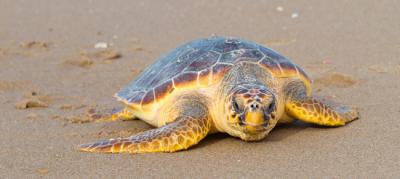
[[319, 111], [188, 129]]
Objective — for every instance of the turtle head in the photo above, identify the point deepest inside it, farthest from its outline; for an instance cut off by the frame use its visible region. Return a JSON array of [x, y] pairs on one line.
[[251, 111]]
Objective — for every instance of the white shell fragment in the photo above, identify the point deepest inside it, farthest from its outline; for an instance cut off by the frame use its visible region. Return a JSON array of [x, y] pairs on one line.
[[101, 45], [294, 15]]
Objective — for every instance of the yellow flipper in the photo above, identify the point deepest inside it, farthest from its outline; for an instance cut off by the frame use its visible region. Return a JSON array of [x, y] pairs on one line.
[[320, 111], [178, 135], [124, 114]]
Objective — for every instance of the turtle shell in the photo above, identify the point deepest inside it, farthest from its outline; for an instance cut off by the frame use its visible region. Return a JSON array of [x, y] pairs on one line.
[[201, 63]]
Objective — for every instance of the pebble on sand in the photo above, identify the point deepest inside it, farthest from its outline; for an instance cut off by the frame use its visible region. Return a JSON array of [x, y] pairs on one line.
[[294, 15], [106, 55], [42, 171], [33, 100], [378, 69], [35, 44], [101, 45]]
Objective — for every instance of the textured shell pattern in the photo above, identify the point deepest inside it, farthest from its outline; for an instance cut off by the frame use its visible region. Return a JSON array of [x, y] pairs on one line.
[[201, 63]]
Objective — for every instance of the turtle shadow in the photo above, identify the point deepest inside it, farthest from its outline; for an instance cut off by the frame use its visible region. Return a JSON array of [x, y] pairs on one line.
[[284, 131], [211, 139], [280, 133]]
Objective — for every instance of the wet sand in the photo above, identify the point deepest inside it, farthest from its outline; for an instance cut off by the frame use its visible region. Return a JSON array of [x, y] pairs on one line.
[[51, 73]]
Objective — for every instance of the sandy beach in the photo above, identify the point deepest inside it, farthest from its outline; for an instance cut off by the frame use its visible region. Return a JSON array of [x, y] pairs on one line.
[[52, 77]]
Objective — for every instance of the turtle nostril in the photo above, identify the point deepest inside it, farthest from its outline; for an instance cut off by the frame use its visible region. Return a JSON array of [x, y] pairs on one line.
[[254, 106]]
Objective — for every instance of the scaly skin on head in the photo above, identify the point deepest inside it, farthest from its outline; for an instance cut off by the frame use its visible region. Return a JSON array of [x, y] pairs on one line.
[[249, 102]]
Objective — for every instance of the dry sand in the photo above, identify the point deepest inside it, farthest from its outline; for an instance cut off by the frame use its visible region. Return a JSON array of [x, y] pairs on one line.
[[48, 62]]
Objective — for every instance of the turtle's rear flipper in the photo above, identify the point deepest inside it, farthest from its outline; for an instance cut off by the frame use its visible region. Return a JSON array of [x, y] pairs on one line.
[[100, 114], [320, 111], [178, 135], [123, 114]]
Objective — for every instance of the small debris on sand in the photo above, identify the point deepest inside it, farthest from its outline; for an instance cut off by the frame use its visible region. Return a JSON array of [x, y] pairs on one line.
[[138, 48], [108, 54], [336, 80], [279, 9], [91, 115], [378, 69], [82, 61], [31, 103], [35, 44], [71, 107], [79, 119], [42, 171], [101, 45], [86, 60], [55, 117], [33, 100], [294, 15], [66, 107]]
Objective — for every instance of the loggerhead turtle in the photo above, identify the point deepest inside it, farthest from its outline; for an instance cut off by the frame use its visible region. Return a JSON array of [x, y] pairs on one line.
[[213, 85]]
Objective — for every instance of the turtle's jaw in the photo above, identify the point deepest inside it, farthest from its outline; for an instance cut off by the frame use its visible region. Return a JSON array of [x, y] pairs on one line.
[[249, 131], [253, 129], [253, 133], [253, 124], [254, 121]]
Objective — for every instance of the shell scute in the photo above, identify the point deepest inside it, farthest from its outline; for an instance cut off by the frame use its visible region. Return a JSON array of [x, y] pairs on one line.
[[219, 69], [185, 79], [288, 68], [303, 73], [204, 61], [136, 97], [190, 56], [272, 66], [148, 97], [228, 45], [164, 89], [271, 54], [204, 77], [242, 54]]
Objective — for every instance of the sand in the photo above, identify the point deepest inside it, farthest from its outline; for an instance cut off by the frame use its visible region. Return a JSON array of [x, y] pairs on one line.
[[48, 56]]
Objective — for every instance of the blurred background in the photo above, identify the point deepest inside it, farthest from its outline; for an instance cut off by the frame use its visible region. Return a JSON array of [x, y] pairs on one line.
[[61, 59]]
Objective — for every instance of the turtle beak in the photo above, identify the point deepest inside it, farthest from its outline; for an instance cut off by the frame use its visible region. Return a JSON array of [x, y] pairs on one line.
[[254, 118]]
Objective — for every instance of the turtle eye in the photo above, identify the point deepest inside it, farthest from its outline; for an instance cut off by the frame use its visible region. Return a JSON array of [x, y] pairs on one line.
[[235, 106], [271, 107]]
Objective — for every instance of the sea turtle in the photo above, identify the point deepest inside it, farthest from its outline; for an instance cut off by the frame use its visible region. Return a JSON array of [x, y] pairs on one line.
[[218, 84]]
